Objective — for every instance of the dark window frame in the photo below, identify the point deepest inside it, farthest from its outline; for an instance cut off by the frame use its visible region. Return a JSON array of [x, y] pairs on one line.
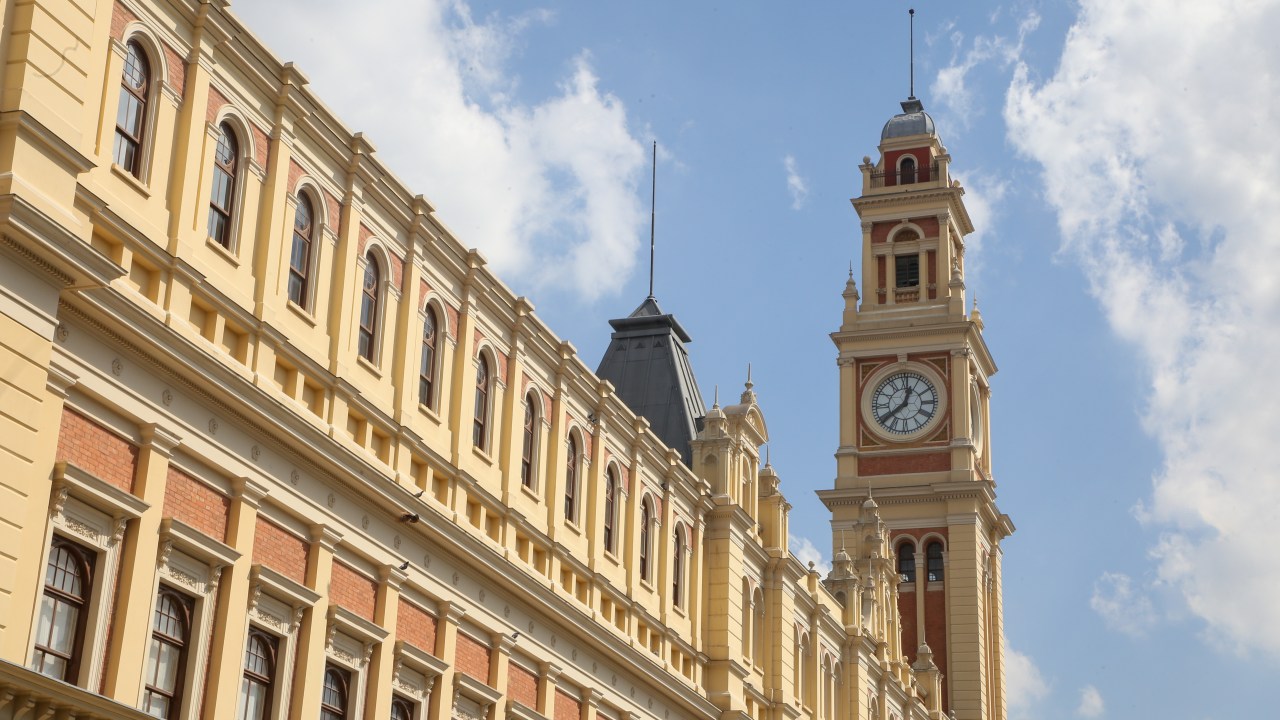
[[610, 508], [132, 141], [934, 564], [185, 607], [480, 424], [677, 567], [573, 462], [907, 170], [83, 560], [339, 690], [226, 175], [906, 270], [270, 659], [427, 361], [370, 304], [907, 561], [646, 517], [300, 251], [528, 442]]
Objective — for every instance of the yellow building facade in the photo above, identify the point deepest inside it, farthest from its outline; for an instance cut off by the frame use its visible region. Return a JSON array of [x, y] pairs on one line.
[[276, 444]]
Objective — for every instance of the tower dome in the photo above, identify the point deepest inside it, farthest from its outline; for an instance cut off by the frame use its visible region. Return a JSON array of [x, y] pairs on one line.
[[913, 120]]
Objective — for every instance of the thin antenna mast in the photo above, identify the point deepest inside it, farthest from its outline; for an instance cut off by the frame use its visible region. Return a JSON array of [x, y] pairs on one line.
[[911, 21], [653, 204]]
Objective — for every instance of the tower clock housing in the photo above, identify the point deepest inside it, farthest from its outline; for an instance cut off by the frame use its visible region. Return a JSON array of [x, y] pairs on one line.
[[914, 400]]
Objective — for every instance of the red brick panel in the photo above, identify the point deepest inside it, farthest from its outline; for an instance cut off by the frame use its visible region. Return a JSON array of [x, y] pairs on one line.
[[216, 101], [296, 172], [280, 550], [924, 462], [177, 69], [261, 145], [928, 224], [334, 213], [454, 318], [353, 591], [907, 613], [120, 17], [880, 231], [522, 686], [932, 264], [567, 708], [881, 280], [935, 633], [472, 658], [89, 446], [363, 239], [196, 504], [416, 627]]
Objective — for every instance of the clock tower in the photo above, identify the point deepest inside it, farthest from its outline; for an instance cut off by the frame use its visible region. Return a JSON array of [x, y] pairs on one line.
[[914, 401]]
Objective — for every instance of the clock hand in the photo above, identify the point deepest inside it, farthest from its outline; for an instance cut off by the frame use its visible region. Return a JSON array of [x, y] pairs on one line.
[[894, 411]]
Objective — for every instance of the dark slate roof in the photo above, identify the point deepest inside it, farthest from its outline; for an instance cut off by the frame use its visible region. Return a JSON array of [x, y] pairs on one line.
[[649, 367], [912, 121]]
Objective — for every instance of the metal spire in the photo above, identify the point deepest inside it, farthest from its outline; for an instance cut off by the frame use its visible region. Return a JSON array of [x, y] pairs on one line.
[[911, 21], [653, 203]]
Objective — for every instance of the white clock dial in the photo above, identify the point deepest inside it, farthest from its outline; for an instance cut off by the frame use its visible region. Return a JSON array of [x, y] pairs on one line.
[[904, 402]]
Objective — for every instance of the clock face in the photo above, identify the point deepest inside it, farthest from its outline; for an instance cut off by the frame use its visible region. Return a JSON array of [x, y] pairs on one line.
[[904, 402]]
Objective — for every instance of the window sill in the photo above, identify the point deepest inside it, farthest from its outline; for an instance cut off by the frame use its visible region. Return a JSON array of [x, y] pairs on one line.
[[531, 493], [573, 526], [482, 454], [608, 555], [646, 585], [131, 181], [431, 414], [301, 312], [224, 252], [679, 610], [367, 365]]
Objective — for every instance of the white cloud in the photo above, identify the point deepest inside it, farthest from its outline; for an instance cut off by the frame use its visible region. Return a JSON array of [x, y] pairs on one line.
[[1026, 686], [796, 184], [983, 195], [804, 549], [1123, 608], [950, 86], [1091, 705], [549, 189], [1160, 166]]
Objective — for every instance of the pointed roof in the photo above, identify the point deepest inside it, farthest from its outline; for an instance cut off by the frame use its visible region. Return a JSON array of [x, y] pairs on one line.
[[648, 364]]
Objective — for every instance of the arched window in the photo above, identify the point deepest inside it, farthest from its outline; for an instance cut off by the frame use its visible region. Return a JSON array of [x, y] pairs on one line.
[[170, 633], [223, 194], [907, 170], [907, 561], [748, 619], [401, 709], [828, 688], [427, 366], [806, 670], [370, 297], [646, 517], [933, 560], [300, 251], [480, 427], [757, 627], [68, 579], [527, 447], [131, 113], [259, 676], [677, 567], [610, 507], [333, 701], [572, 460]]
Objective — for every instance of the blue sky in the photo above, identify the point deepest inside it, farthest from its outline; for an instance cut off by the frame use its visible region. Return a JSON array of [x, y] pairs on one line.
[[1119, 162]]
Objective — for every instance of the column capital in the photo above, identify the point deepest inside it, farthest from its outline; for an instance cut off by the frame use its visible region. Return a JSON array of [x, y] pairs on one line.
[[325, 536]]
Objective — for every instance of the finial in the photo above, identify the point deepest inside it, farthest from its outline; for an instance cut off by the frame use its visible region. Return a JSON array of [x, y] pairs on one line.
[[842, 544], [766, 456], [749, 383], [911, 22], [975, 302], [851, 270], [715, 398], [653, 209]]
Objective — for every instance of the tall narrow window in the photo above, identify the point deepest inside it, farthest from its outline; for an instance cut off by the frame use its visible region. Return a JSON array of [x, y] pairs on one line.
[[907, 170], [610, 507], [369, 298], [527, 446], [646, 517], [131, 113], [223, 193], [907, 561], [68, 579], [401, 709], [907, 270], [677, 567], [170, 633], [933, 560], [259, 676], [571, 462], [480, 429], [427, 367], [300, 252], [333, 700], [757, 627]]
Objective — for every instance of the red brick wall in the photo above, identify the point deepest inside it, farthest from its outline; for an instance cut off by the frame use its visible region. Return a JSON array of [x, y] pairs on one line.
[[280, 550], [522, 686], [416, 627], [196, 504], [216, 101], [334, 213], [89, 446], [295, 174], [472, 658], [353, 591], [177, 69], [261, 145], [120, 17], [567, 708], [907, 613], [935, 633], [924, 462]]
